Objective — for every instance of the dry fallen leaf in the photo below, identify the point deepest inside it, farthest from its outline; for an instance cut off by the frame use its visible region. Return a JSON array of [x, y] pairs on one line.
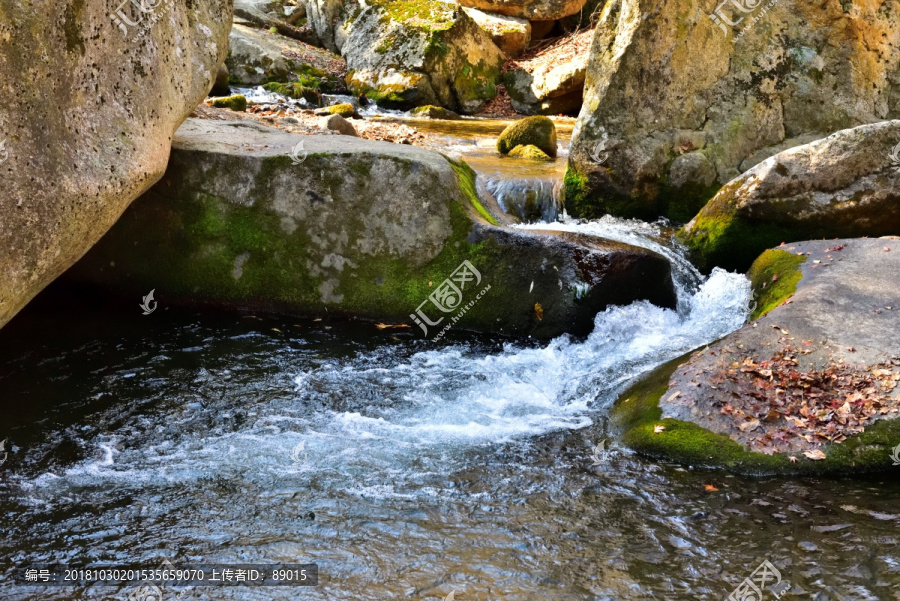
[[711, 488], [792, 459], [749, 426], [538, 311], [674, 396], [658, 429], [815, 455]]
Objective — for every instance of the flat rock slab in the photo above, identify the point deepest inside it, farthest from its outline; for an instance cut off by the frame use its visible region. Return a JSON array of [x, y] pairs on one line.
[[251, 217], [843, 319]]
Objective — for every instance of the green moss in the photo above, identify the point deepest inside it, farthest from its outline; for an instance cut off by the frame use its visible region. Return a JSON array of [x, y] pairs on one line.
[[529, 152], [774, 276], [235, 103], [467, 184], [720, 237], [577, 194], [637, 413], [427, 15], [344, 109], [536, 131]]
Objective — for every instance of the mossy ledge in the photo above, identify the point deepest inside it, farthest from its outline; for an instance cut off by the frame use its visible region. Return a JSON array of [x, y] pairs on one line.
[[637, 413], [774, 276]]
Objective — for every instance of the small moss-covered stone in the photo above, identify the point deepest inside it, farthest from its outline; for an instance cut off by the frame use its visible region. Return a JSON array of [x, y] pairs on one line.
[[435, 112], [529, 152], [235, 103], [774, 276], [535, 131], [345, 110]]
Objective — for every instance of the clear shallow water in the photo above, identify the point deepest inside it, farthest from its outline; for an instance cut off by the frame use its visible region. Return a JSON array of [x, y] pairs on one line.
[[528, 189], [405, 469]]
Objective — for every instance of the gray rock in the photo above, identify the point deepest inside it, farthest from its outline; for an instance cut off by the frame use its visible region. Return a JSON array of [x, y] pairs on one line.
[[91, 106], [692, 168], [847, 184], [838, 315], [257, 56], [437, 56], [325, 16], [338, 124], [249, 216], [659, 70]]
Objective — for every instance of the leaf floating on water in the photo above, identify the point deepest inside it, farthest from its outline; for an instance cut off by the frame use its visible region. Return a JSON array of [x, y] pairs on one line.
[[538, 311], [385, 326], [658, 429], [815, 455], [711, 488]]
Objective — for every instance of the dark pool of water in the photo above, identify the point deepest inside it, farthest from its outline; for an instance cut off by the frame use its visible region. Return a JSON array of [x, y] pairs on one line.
[[402, 469]]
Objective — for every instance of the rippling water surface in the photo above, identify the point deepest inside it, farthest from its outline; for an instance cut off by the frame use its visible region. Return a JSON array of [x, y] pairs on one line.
[[403, 468]]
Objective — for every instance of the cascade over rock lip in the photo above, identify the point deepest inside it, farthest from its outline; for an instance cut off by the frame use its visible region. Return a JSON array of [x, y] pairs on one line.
[[664, 79], [91, 106], [730, 405], [252, 217], [847, 184]]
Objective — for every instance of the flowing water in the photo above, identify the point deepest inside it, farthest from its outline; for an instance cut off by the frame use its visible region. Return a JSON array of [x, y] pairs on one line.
[[404, 468]]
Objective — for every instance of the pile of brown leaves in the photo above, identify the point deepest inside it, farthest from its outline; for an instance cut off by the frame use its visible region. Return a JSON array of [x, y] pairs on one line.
[[818, 406]]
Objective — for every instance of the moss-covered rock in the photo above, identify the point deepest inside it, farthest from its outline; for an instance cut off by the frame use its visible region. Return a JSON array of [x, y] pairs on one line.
[[254, 217], [844, 185], [235, 103], [90, 105], [659, 79], [778, 395], [529, 152], [536, 131], [404, 54], [510, 34], [345, 110], [434, 112]]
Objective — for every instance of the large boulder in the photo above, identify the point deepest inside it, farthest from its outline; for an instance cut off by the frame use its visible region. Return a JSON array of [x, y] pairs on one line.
[[253, 217], [845, 185], [92, 101], [535, 10], [810, 386], [404, 54], [665, 79], [258, 56]]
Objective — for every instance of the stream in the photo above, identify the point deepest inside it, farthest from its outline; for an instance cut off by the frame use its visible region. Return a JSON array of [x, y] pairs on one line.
[[406, 469]]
